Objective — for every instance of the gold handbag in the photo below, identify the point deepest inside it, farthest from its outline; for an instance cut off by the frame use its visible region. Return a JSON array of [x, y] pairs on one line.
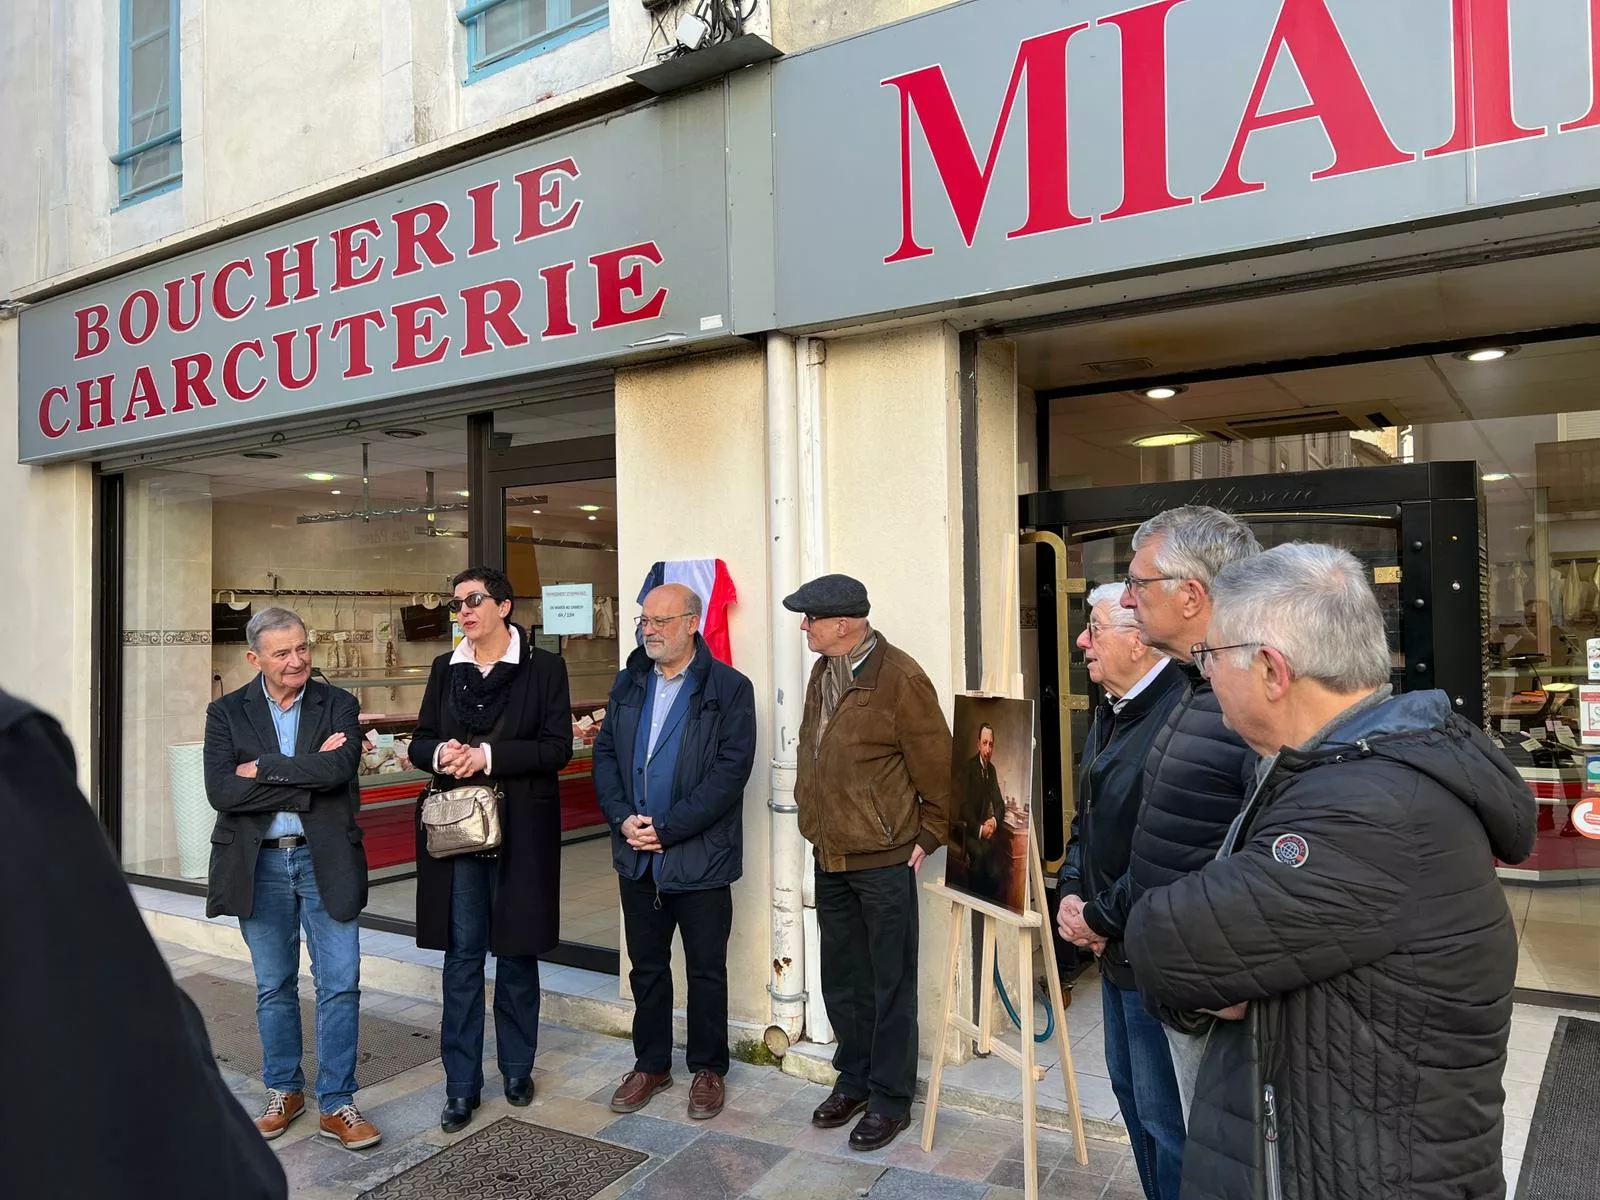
[[463, 820]]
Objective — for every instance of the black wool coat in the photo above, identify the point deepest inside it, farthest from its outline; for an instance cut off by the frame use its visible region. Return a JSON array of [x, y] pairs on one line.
[[534, 743]]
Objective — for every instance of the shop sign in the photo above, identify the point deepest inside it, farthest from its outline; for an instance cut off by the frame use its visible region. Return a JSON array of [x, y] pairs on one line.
[[567, 609], [584, 247], [1589, 715], [997, 146]]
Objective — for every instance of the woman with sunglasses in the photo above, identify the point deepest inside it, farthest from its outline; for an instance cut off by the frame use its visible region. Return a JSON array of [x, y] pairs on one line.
[[496, 712]]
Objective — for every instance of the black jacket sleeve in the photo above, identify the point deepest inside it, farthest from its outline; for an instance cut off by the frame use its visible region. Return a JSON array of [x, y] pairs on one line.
[[232, 793], [546, 748], [427, 735], [722, 787], [1107, 913], [1251, 925], [96, 1001], [321, 770]]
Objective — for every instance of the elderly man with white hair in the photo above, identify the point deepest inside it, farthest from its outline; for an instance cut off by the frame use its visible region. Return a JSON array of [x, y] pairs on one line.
[[1141, 687], [1351, 929]]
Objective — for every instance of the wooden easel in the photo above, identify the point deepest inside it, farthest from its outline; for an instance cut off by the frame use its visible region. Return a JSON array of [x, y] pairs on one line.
[[1031, 924]]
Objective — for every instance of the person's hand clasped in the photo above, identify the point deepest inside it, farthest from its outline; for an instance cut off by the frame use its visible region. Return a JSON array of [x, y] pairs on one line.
[[1073, 928], [986, 830], [640, 832]]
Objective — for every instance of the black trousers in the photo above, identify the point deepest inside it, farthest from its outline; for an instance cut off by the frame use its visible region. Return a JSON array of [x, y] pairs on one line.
[[868, 926], [705, 920]]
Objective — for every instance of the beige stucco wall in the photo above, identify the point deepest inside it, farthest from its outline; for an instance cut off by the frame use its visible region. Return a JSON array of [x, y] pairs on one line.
[[691, 483], [797, 24]]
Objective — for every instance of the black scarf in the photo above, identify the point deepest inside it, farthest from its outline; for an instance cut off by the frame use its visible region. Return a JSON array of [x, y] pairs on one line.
[[478, 701]]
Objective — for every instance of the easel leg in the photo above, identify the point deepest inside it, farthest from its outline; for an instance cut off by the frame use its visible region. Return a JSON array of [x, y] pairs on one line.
[[1030, 1121], [951, 950], [983, 987], [1052, 974]]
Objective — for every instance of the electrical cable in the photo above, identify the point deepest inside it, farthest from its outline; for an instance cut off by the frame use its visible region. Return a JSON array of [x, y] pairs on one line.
[[1049, 1010]]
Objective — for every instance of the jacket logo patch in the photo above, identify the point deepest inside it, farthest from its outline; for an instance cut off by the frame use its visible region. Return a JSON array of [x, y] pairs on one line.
[[1291, 850]]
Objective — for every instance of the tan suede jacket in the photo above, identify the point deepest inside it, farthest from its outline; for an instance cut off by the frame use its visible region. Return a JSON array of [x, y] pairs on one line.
[[877, 782]]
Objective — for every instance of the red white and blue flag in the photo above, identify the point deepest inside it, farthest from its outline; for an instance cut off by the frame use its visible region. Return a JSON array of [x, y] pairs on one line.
[[708, 578]]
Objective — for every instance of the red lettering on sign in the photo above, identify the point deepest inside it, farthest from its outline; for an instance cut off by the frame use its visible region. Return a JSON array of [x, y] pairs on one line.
[[1144, 111], [349, 253], [220, 302], [483, 238], [192, 371], [482, 316], [612, 282], [413, 324], [284, 341], [93, 336], [926, 92], [303, 272], [144, 392], [356, 324], [536, 196], [152, 315], [174, 290], [94, 403], [1482, 57], [230, 371], [1339, 100], [46, 426], [1592, 118], [557, 300], [419, 229]]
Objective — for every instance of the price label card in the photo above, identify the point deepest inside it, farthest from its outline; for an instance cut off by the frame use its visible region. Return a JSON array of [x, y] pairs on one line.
[[386, 741], [1510, 725], [1564, 734], [1530, 745]]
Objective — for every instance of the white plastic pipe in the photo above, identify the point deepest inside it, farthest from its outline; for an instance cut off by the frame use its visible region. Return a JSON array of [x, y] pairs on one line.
[[787, 985]]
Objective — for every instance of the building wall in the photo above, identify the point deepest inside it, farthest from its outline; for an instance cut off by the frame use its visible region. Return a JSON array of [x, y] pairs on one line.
[[799, 24]]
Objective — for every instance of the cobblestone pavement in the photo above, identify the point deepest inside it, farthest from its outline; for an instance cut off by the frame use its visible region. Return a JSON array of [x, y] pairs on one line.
[[761, 1147]]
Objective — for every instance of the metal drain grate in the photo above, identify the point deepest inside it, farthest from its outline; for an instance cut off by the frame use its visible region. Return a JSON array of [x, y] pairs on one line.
[[513, 1160], [386, 1048]]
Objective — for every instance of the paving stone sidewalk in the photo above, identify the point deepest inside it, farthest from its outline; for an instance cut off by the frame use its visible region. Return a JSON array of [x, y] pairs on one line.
[[761, 1147]]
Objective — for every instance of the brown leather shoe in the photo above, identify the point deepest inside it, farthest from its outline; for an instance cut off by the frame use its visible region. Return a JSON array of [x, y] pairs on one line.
[[875, 1131], [837, 1110], [636, 1089], [282, 1107], [350, 1129], [706, 1095]]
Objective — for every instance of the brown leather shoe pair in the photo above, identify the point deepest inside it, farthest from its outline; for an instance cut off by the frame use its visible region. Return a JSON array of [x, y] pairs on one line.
[[706, 1093]]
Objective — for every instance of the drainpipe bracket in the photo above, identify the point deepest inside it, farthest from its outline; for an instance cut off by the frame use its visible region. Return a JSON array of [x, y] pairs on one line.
[[782, 808], [788, 997]]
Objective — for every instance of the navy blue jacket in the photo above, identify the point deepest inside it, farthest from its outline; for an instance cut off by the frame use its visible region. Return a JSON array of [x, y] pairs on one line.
[[702, 833]]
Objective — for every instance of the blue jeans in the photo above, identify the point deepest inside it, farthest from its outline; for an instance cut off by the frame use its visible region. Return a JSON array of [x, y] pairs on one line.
[[516, 988], [286, 899], [1147, 1090]]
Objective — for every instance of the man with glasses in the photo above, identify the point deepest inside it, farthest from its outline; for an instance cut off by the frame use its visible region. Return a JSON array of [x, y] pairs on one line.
[[281, 759], [1352, 930], [1195, 776], [670, 765], [1141, 687], [873, 787]]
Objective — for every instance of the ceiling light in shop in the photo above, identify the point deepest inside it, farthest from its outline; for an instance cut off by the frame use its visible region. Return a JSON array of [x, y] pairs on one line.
[[320, 476], [335, 492], [1487, 354], [592, 517], [1156, 441], [405, 433], [463, 492], [588, 508], [263, 454], [536, 511], [1164, 392], [1496, 476]]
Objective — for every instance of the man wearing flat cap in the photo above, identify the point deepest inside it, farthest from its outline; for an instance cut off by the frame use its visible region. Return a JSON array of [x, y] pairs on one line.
[[872, 787]]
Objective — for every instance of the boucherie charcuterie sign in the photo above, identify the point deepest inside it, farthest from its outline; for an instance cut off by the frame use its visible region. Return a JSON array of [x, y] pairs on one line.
[[561, 252]]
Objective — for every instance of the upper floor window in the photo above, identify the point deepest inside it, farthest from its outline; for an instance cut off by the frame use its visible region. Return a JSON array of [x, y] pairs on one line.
[[502, 32], [149, 155]]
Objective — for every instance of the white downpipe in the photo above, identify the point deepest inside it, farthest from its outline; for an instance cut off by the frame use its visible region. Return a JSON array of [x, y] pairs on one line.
[[812, 354], [787, 984]]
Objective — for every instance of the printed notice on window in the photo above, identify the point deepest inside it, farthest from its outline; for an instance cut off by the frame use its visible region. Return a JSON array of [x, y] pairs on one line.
[[569, 609]]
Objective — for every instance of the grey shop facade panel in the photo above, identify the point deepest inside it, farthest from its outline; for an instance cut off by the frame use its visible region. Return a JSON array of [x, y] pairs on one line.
[[586, 247]]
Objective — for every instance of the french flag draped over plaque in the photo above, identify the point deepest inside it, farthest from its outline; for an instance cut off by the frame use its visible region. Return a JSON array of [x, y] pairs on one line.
[[708, 578]]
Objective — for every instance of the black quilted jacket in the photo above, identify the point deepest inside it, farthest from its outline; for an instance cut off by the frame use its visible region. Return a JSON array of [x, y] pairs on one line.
[[1358, 912]]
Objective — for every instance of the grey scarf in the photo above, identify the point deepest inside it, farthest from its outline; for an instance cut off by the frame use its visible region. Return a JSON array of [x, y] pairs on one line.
[[840, 671]]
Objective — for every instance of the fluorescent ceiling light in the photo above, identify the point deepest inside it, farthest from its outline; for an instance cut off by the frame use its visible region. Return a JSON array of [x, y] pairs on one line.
[[1156, 441], [588, 508], [320, 476], [1496, 476]]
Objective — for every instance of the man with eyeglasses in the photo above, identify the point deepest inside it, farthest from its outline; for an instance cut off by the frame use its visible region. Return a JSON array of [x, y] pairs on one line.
[[1198, 769], [873, 788], [281, 758], [670, 765]]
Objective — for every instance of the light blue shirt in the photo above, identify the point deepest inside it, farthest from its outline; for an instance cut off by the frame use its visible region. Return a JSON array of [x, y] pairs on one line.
[[666, 693], [287, 725]]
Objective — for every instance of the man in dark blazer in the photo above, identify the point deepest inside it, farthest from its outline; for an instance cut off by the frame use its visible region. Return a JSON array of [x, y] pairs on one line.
[[281, 757], [90, 1008], [983, 816]]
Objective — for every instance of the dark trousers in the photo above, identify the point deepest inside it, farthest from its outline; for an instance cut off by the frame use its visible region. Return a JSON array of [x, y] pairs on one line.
[[868, 926], [705, 919], [516, 988]]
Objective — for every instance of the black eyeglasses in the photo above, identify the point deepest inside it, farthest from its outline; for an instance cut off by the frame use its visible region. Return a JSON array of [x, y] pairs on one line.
[[1204, 656], [1136, 584], [454, 604]]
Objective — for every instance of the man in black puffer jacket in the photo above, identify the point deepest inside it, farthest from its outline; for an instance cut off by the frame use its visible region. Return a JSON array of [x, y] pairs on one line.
[[1197, 770], [1352, 932]]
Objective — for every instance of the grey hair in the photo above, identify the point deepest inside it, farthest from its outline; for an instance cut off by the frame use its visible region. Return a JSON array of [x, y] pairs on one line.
[[1197, 542], [693, 605], [1311, 603], [1111, 594], [270, 620]]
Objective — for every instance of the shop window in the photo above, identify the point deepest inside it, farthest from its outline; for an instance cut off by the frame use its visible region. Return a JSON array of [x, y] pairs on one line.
[[149, 156], [502, 32]]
